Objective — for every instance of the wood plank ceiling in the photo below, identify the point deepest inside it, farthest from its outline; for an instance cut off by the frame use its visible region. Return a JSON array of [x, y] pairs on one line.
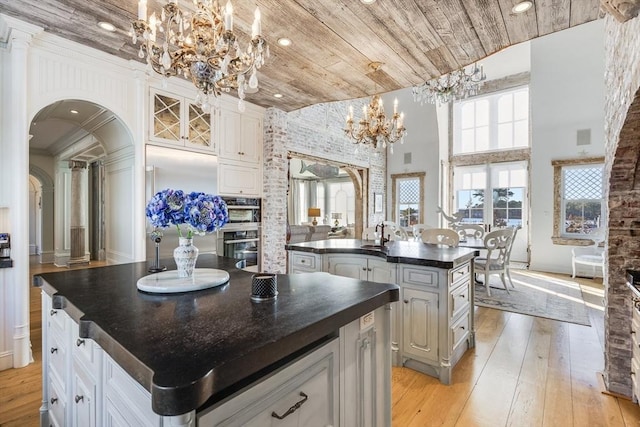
[[334, 41]]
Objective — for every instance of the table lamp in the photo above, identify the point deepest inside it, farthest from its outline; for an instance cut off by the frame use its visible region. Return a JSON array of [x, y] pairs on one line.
[[313, 212], [337, 216]]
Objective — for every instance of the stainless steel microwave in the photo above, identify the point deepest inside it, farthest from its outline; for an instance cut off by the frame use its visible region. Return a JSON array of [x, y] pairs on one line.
[[243, 210]]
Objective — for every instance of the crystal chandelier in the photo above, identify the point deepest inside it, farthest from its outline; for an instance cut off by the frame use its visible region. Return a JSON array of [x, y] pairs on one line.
[[373, 127], [458, 84], [201, 45]]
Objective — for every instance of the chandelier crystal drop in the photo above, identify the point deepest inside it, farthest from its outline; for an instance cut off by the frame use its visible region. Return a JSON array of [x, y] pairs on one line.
[[200, 45], [373, 128], [458, 84]]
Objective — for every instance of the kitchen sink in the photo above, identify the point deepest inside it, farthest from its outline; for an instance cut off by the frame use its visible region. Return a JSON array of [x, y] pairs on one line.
[[374, 247]]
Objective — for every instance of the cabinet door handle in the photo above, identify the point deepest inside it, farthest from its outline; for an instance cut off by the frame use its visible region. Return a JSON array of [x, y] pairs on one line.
[[79, 398], [53, 312], [79, 342], [53, 350], [53, 400], [364, 268], [293, 409]]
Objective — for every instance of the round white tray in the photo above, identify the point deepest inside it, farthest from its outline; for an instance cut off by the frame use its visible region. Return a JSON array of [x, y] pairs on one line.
[[168, 281]]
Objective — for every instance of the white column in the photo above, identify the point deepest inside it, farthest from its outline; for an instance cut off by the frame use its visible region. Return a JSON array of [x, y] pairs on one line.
[[17, 306], [77, 218]]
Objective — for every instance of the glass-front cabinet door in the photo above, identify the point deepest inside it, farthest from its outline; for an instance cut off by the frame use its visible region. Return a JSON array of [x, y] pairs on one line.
[[179, 122]]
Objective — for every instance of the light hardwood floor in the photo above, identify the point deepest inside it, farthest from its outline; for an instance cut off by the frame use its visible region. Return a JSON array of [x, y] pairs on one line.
[[524, 371]]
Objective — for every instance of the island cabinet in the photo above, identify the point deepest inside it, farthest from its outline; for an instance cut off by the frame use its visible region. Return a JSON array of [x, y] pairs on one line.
[[302, 360], [432, 324]]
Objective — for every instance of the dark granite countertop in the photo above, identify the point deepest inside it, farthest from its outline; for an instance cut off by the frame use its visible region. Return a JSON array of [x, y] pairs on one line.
[[193, 349], [404, 252]]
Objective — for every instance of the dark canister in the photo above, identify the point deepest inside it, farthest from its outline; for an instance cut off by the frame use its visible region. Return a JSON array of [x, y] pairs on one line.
[[264, 286]]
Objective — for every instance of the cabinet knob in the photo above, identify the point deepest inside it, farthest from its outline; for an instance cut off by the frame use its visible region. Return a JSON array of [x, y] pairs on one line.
[[406, 301], [369, 269], [301, 261], [239, 153], [79, 398], [53, 400], [53, 350], [79, 342], [364, 268], [53, 312]]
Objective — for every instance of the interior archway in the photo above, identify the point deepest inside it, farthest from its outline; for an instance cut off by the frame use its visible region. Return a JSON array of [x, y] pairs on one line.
[[621, 250]]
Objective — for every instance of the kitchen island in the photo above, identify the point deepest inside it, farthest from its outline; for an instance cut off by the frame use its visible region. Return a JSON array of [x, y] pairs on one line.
[[433, 324], [114, 355]]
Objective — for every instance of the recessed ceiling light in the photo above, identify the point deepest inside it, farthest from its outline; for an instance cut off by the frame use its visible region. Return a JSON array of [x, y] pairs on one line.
[[106, 26], [283, 41], [277, 95], [73, 111], [521, 7], [368, 1]]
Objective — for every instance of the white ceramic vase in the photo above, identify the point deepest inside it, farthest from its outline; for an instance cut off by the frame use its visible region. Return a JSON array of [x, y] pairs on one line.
[[185, 257]]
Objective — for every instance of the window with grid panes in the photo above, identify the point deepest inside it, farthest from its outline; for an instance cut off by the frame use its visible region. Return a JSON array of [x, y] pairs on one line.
[[408, 205], [582, 199]]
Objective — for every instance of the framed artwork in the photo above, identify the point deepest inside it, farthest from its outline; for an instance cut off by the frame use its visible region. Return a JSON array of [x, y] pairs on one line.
[[377, 202]]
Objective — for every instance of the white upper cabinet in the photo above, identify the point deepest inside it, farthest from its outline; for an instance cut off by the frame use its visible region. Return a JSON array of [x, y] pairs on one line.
[[240, 136], [177, 121]]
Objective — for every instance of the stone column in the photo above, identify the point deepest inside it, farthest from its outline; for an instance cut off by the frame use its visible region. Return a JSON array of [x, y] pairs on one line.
[[77, 213]]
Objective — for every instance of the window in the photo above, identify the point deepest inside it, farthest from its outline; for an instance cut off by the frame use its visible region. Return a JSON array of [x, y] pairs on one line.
[[579, 198], [408, 193], [499, 121]]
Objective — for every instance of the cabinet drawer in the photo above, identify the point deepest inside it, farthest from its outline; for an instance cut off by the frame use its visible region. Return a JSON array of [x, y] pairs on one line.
[[57, 359], [459, 275], [460, 331], [305, 261], [419, 276], [57, 319], [308, 390], [84, 350], [459, 300], [57, 405]]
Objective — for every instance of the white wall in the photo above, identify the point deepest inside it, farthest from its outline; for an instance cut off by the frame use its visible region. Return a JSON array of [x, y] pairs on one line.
[[567, 94], [421, 142]]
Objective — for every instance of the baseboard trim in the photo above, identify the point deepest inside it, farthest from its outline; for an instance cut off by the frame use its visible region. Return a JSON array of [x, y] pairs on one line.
[[603, 388], [6, 360]]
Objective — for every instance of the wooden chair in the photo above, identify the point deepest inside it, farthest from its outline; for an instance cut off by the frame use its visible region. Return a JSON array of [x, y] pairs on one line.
[[474, 231], [498, 244], [592, 255], [417, 230], [440, 236], [394, 231]]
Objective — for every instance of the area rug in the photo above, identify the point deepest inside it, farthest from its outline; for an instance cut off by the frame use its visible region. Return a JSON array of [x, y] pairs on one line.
[[536, 295]]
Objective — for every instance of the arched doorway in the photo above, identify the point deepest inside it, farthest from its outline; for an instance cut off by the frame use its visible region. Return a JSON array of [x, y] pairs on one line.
[[622, 252], [83, 155]]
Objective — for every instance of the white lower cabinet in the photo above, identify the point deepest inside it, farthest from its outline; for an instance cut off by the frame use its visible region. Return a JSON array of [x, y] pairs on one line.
[[303, 262], [345, 382], [420, 325], [432, 324]]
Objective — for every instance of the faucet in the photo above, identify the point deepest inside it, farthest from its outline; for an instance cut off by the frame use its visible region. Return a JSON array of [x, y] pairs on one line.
[[383, 240]]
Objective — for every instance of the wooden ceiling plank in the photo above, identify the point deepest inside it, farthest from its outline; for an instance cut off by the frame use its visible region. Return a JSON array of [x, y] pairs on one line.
[[553, 15], [488, 22], [583, 11], [451, 22], [520, 26]]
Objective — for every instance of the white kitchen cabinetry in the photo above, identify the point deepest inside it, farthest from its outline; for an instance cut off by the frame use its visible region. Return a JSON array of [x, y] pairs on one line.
[[432, 324], [176, 121], [239, 180], [361, 267], [71, 372], [344, 382], [304, 262]]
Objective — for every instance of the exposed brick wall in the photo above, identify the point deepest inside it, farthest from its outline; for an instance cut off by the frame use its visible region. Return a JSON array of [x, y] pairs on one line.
[[622, 132], [316, 131]]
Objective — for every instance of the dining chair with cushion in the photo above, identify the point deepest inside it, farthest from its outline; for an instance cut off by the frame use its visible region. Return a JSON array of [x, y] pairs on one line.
[[394, 231], [440, 236], [498, 243], [417, 229], [474, 231]]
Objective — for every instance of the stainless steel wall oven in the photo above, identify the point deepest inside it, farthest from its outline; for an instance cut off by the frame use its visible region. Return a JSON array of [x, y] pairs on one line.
[[240, 237]]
